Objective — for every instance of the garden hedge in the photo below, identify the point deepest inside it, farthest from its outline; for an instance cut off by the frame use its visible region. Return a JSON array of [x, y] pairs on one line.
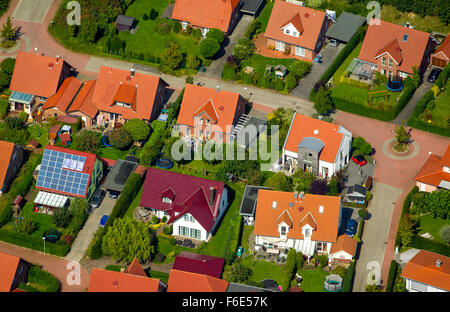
[[391, 276], [419, 124], [347, 284], [423, 243]]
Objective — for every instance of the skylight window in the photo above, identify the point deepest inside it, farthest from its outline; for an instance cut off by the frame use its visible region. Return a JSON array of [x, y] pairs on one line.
[[405, 38]]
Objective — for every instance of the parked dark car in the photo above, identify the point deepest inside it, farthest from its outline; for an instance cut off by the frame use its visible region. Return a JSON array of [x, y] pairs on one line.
[[434, 75], [360, 160], [97, 198], [113, 194], [350, 228]]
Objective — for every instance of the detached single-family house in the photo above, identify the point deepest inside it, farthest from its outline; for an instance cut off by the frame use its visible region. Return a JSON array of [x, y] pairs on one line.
[[296, 31], [441, 57], [35, 79], [356, 193], [121, 95], [317, 146], [208, 114], [435, 173], [220, 14], [306, 222], [13, 271], [11, 160], [200, 264], [427, 272], [193, 205], [73, 99], [65, 174], [183, 281], [133, 279], [393, 50]]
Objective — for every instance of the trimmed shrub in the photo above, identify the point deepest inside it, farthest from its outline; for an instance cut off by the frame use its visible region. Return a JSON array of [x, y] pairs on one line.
[[391, 276], [209, 47], [172, 241], [347, 284], [228, 72], [215, 34], [37, 276]]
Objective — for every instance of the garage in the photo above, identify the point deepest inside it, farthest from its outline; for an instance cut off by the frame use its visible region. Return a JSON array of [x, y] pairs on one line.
[[441, 57]]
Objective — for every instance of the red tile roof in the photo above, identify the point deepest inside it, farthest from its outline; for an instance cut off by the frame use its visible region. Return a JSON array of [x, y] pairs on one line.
[[214, 14], [8, 268], [6, 149], [65, 137], [191, 196], [182, 281], [393, 49], [422, 268], [345, 243], [219, 107], [383, 35], [88, 168], [303, 127], [307, 21], [200, 264], [36, 74], [109, 281], [62, 99], [117, 83], [83, 101], [306, 210], [135, 268], [432, 172], [444, 48]]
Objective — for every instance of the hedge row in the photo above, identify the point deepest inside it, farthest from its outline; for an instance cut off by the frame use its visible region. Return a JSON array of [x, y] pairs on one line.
[[121, 206], [391, 276], [347, 284], [36, 243], [349, 47], [405, 209], [423, 243], [419, 124]]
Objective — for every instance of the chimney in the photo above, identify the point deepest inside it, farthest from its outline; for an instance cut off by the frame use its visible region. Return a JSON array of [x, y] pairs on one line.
[[438, 263], [57, 58], [320, 209], [211, 195], [132, 72]]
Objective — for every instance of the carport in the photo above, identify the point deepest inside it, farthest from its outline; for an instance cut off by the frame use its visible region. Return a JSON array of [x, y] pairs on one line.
[[252, 7], [119, 174], [345, 28]]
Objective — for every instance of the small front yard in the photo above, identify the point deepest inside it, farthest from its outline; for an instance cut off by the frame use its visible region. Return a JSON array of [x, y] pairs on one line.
[[437, 111]]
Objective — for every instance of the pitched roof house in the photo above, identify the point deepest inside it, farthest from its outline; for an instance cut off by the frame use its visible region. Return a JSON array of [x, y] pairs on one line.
[[193, 205], [296, 30], [394, 49], [200, 264], [206, 113], [11, 159], [182, 281], [121, 95], [29, 92], [66, 173], [13, 271], [427, 272], [435, 173], [344, 250], [441, 57], [305, 222], [134, 279], [220, 14], [317, 146]]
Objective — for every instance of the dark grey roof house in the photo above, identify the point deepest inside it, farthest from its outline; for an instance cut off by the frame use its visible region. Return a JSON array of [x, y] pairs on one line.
[[345, 27], [124, 23], [119, 174], [356, 192]]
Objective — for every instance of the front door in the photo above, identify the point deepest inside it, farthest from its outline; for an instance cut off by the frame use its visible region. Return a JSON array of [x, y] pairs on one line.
[[307, 167], [325, 172]]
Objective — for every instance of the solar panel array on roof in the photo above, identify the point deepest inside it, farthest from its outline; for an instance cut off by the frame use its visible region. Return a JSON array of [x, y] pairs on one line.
[[63, 172]]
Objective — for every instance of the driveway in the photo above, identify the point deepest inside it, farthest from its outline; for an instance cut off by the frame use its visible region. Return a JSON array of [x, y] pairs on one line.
[[81, 243], [306, 84], [420, 92], [32, 10], [375, 233], [357, 175], [215, 69]]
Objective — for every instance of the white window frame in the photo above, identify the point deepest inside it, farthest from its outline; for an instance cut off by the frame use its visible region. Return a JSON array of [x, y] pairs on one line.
[[184, 25], [280, 46], [300, 51], [383, 61]]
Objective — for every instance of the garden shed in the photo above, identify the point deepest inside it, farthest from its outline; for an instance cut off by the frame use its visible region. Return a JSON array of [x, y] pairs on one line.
[[124, 23]]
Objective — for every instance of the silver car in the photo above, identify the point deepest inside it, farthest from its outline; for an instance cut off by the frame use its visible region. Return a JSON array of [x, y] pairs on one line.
[[97, 198]]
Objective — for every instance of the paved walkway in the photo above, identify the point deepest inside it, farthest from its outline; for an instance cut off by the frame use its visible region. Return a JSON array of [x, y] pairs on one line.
[[56, 266], [85, 236]]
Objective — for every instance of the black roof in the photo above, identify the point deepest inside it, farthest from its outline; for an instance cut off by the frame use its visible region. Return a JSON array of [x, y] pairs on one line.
[[233, 287], [345, 27], [132, 158], [356, 190], [251, 6], [248, 203], [119, 174], [125, 20]]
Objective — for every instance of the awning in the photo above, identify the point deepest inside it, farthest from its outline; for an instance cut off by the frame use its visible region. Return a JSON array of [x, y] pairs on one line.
[[20, 97], [51, 199]]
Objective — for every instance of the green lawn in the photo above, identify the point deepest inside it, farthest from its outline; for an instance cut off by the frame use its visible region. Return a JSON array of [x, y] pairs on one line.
[[134, 204], [432, 226], [164, 247], [147, 39], [259, 62], [245, 236], [39, 132], [164, 277], [44, 221], [440, 115], [265, 15], [313, 280], [263, 269], [113, 153]]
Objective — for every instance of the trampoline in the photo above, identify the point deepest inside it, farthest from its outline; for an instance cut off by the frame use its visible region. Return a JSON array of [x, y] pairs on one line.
[[164, 163], [51, 235], [333, 283], [394, 86], [105, 139]]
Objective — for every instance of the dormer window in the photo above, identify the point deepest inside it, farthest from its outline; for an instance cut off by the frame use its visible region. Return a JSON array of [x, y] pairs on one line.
[[283, 231], [123, 104], [167, 200], [295, 34], [287, 31]]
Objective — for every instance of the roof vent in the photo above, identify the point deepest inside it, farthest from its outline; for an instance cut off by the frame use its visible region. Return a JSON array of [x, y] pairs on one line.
[[291, 204], [438, 263], [296, 195], [320, 209], [316, 132], [132, 71], [115, 283], [274, 204], [300, 208], [221, 107], [306, 14], [405, 38], [302, 195], [128, 78], [50, 66]]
